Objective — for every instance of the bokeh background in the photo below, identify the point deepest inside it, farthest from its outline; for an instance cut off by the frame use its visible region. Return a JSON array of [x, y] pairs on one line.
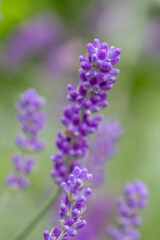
[[40, 45]]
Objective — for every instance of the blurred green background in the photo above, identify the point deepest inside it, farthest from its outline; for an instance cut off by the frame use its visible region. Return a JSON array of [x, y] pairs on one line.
[[133, 26]]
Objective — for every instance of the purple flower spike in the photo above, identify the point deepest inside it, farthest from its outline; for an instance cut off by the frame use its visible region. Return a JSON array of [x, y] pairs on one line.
[[32, 121], [97, 76], [73, 206], [135, 199]]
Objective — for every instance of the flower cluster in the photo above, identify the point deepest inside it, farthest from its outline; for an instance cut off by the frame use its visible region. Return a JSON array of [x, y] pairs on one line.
[[32, 120], [97, 69], [89, 97], [135, 199], [103, 148], [73, 206]]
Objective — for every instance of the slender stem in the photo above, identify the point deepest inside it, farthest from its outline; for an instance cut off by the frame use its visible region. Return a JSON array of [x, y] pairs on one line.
[[6, 196], [36, 219]]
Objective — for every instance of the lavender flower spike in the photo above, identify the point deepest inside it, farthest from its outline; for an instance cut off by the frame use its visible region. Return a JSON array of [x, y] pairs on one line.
[[73, 206], [32, 120], [97, 75], [135, 199]]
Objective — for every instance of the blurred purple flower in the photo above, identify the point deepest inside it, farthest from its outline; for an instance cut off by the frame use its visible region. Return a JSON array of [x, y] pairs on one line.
[[34, 37], [23, 165], [135, 199], [120, 13], [15, 182], [103, 148], [32, 120], [151, 38], [99, 213], [56, 64]]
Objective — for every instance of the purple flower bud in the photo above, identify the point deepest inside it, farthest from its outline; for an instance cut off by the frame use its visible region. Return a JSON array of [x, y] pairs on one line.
[[64, 187], [78, 183], [85, 65], [106, 66], [72, 232], [96, 43], [75, 213], [90, 49], [102, 54], [80, 224], [87, 192], [77, 171], [72, 178], [81, 199], [82, 59], [17, 162], [104, 46], [115, 61], [64, 209], [46, 235], [70, 87]]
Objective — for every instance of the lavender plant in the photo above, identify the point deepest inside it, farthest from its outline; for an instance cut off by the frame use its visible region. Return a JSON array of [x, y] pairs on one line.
[[135, 199], [97, 76], [32, 121]]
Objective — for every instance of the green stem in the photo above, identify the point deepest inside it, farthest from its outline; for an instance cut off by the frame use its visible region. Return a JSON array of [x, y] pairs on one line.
[[5, 199], [43, 210]]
